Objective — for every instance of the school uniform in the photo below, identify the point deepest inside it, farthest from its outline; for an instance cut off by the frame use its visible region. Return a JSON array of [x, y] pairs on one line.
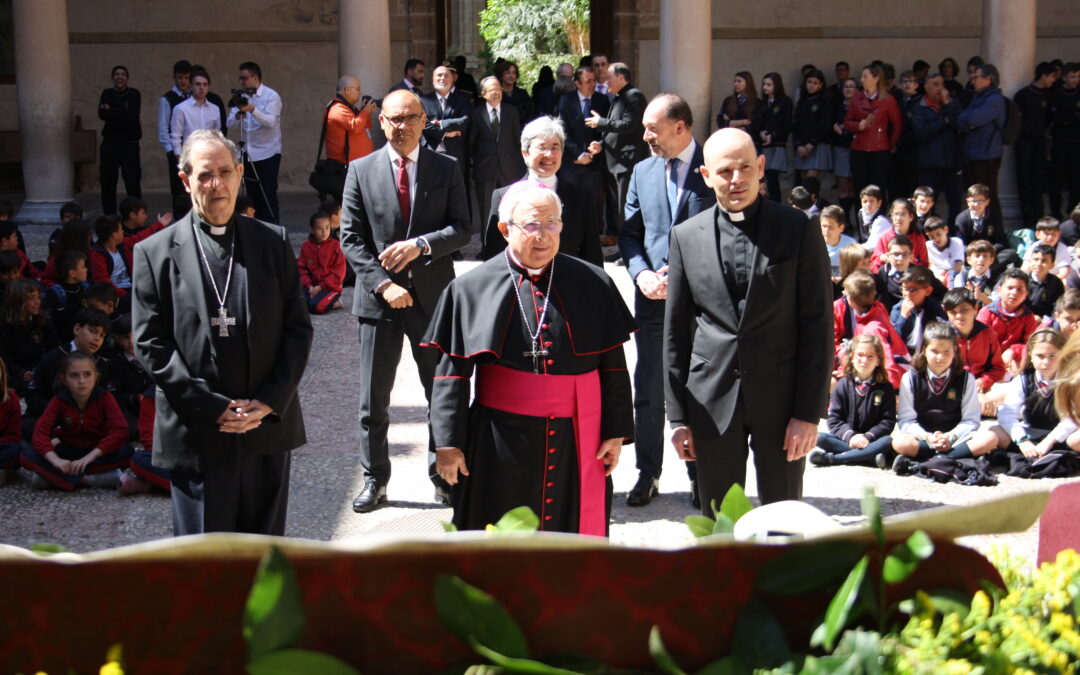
[[776, 117], [980, 352], [321, 264], [942, 261], [813, 124], [911, 328], [99, 425], [127, 380], [1013, 330], [971, 228], [985, 282], [949, 404], [868, 228], [859, 407], [11, 445], [60, 304], [23, 345], [43, 386], [847, 323], [1028, 412], [1043, 294], [841, 142], [141, 463], [919, 255]]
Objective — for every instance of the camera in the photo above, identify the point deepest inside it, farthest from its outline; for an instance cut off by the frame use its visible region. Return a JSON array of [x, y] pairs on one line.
[[365, 99], [239, 98]]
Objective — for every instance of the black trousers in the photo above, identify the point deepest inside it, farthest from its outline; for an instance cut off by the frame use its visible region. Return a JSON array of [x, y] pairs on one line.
[[904, 172], [261, 182], [1030, 162], [1065, 158], [119, 158], [986, 171], [615, 188], [380, 353], [871, 168], [236, 491], [721, 459]]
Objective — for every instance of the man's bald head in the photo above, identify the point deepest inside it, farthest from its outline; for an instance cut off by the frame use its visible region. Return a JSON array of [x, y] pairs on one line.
[[402, 120], [733, 169]]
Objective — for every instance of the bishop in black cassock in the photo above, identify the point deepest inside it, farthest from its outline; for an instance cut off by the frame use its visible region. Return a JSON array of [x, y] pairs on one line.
[[543, 333]]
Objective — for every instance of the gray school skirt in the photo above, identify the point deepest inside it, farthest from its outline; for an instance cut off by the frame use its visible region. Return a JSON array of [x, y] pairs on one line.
[[775, 158], [841, 162], [821, 159]]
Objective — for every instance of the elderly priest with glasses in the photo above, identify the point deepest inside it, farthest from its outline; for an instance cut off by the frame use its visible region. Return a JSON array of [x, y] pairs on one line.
[[544, 333]]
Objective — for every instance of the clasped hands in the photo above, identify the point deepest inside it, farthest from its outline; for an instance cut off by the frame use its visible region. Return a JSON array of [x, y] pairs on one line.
[[653, 285], [800, 437], [394, 259], [242, 415]]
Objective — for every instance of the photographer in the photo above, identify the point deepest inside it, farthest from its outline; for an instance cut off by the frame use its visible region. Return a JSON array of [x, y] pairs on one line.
[[256, 109], [348, 118]]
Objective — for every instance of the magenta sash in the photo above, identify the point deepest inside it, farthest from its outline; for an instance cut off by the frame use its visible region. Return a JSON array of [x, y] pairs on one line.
[[574, 396]]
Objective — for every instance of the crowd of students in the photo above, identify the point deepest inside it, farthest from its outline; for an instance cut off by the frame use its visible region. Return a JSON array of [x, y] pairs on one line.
[[938, 327], [76, 406]]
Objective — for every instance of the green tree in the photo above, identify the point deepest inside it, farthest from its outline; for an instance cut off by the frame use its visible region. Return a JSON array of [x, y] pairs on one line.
[[535, 33]]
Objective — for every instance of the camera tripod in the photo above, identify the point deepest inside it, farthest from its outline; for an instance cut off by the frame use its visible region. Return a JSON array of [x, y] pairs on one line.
[[248, 163]]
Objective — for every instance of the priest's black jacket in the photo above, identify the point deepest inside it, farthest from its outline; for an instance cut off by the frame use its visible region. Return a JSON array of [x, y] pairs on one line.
[[171, 328], [513, 459]]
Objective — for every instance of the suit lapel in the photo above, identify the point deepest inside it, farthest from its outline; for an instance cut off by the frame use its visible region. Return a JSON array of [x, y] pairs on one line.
[[710, 252], [423, 166], [190, 287], [385, 175], [692, 177], [765, 231], [661, 179]]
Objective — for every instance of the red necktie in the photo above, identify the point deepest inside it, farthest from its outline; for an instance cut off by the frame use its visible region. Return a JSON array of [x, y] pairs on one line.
[[403, 191]]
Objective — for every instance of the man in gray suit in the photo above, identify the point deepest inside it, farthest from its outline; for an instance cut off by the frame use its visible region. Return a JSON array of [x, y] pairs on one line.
[[747, 331], [403, 214], [663, 190]]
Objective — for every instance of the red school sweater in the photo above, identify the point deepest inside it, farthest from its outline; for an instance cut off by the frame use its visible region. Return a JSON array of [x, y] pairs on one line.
[[99, 425], [321, 264], [10, 419]]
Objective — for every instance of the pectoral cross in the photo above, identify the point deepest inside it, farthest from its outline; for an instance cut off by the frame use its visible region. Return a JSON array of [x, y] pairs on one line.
[[536, 355], [223, 321]]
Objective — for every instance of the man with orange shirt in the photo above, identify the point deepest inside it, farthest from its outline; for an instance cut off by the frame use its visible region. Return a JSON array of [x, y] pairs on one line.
[[347, 125]]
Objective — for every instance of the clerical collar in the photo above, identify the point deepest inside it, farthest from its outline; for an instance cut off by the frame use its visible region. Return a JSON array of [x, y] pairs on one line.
[[551, 181], [533, 271], [739, 216], [214, 230]]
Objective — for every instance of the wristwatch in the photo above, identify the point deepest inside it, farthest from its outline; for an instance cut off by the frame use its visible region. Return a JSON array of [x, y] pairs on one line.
[[422, 245]]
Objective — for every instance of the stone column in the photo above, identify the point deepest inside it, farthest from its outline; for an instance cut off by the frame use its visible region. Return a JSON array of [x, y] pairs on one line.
[[686, 57], [1008, 42], [43, 90], [364, 44]]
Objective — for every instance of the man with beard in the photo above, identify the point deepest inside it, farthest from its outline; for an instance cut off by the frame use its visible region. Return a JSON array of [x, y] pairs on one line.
[[544, 333]]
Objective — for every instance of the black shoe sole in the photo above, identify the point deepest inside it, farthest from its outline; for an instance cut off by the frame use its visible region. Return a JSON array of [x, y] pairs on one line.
[[368, 508]]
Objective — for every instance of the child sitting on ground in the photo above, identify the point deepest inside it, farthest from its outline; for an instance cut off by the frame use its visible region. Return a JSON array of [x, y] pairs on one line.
[[980, 351], [1066, 313], [1045, 288], [127, 377], [917, 308], [924, 200], [1010, 317], [87, 336], [902, 217], [11, 421], [80, 440], [979, 277], [9, 241], [862, 411], [322, 267], [871, 222], [62, 301], [141, 474], [860, 313], [1048, 232], [889, 275], [938, 412], [24, 333], [110, 262], [832, 230]]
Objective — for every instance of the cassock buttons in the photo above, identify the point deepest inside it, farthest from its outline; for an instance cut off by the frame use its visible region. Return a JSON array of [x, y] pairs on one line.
[[539, 294], [549, 500], [551, 451], [551, 362], [551, 484], [548, 343], [551, 433], [551, 467], [552, 417], [547, 517], [544, 326]]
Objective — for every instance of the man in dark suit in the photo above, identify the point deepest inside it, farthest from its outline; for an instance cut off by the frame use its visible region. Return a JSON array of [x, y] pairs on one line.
[[403, 214], [447, 111], [494, 147], [222, 328], [747, 331], [582, 167], [622, 140], [542, 147], [414, 77], [663, 190]]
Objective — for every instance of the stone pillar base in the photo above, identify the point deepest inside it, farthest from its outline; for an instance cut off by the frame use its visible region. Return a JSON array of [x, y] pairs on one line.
[[39, 213]]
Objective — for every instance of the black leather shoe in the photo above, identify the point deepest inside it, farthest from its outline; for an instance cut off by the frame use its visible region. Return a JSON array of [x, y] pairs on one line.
[[370, 497], [695, 498], [443, 490], [643, 491]]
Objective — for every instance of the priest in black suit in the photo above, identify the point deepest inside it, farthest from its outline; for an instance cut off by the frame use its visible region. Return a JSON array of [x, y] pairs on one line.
[[494, 148], [622, 140], [403, 214], [544, 333], [542, 143], [747, 331], [221, 326]]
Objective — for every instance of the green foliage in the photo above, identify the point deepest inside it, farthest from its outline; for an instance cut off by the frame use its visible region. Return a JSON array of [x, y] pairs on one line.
[[521, 519], [535, 33], [735, 506], [477, 618], [274, 614], [292, 661], [47, 549], [811, 567]]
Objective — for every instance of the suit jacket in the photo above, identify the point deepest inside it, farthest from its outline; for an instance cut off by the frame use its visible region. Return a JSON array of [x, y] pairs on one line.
[[371, 220], [495, 159], [455, 118], [777, 355], [171, 328], [622, 130], [643, 241], [578, 136], [581, 230]]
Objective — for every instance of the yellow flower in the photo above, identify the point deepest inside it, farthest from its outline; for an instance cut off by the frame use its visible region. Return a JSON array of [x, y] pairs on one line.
[[111, 668]]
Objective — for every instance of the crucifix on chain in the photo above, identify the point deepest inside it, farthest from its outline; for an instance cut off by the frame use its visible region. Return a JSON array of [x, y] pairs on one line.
[[223, 321], [536, 355]]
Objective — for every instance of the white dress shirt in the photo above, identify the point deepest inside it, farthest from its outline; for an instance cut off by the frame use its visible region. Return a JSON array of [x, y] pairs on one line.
[[686, 158], [262, 126], [164, 120], [191, 116]]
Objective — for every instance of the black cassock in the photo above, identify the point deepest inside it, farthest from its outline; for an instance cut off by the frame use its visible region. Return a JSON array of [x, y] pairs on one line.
[[532, 459]]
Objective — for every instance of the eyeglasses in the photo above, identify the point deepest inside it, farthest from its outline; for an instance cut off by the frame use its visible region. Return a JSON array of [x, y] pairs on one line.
[[410, 120], [552, 226]]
